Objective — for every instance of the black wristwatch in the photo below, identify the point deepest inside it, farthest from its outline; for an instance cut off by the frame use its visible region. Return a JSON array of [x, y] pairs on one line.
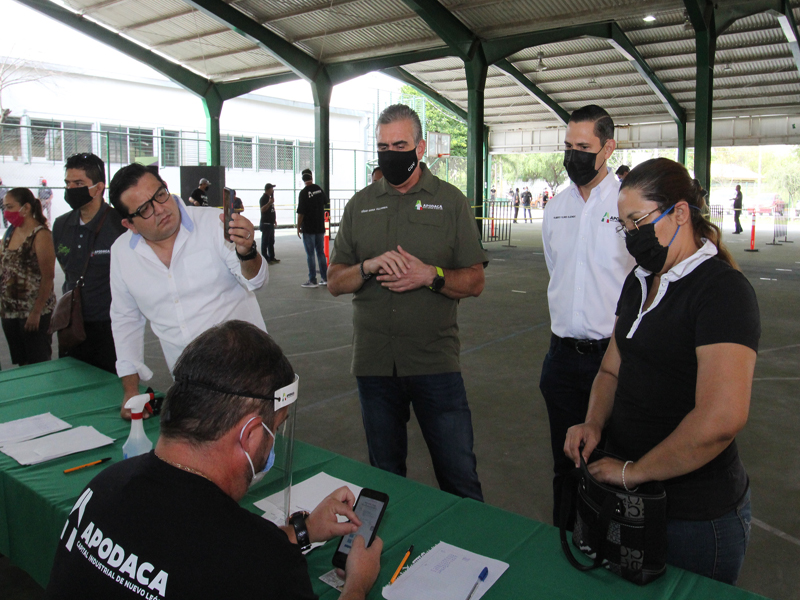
[[438, 281], [250, 255], [364, 276], [298, 521]]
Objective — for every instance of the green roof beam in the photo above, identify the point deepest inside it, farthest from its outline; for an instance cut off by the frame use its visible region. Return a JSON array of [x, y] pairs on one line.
[[289, 55], [240, 87], [551, 105], [447, 26], [789, 27], [426, 90], [344, 71], [623, 45]]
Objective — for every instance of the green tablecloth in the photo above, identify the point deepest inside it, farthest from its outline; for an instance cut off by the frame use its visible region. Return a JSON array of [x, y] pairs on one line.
[[36, 500]]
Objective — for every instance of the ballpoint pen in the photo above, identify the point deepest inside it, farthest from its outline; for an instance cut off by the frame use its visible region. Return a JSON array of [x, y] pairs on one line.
[[481, 577]]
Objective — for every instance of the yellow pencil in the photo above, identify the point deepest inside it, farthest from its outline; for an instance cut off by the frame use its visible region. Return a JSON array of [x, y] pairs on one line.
[[91, 464], [402, 563]]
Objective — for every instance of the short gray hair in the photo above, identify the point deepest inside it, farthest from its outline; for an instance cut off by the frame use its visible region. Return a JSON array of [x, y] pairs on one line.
[[401, 112]]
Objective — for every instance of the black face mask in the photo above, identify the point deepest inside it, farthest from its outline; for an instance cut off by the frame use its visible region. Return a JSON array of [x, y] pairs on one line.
[[79, 196], [645, 248], [580, 166], [397, 166]]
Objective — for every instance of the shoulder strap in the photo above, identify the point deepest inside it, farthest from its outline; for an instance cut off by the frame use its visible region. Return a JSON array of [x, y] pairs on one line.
[[91, 248]]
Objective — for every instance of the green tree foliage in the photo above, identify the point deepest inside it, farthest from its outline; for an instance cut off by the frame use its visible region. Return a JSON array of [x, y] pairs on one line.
[[531, 167], [443, 121], [784, 177]]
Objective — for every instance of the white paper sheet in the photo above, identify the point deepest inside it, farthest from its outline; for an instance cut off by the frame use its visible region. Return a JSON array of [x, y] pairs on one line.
[[305, 496], [29, 428], [445, 572], [56, 445]]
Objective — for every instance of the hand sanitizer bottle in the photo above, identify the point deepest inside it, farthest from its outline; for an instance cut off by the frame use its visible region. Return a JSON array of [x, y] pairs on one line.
[[138, 443]]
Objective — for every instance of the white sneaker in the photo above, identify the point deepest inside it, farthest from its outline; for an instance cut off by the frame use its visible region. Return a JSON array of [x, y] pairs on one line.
[[308, 284], [324, 282]]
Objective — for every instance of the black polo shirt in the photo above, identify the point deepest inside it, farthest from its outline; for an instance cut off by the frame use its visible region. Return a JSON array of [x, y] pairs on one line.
[[657, 380], [72, 242], [311, 204], [267, 218]]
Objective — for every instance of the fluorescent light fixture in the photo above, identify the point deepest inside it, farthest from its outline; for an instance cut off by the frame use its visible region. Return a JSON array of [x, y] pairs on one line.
[[649, 18], [540, 66], [728, 68]]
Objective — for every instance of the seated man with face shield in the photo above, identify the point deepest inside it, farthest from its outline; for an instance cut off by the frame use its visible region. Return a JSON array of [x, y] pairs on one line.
[[168, 523]]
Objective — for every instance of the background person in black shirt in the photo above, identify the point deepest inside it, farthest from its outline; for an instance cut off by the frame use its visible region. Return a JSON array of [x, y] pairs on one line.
[[167, 524], [674, 386], [311, 205], [199, 197], [737, 209], [268, 222], [73, 237]]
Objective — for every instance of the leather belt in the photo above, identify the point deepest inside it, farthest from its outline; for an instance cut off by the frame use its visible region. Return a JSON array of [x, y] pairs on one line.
[[585, 346]]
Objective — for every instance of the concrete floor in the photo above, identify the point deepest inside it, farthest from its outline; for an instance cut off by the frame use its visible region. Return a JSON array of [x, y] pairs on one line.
[[504, 337]]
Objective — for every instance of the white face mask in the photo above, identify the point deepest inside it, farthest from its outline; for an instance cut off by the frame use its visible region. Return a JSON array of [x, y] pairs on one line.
[[270, 459]]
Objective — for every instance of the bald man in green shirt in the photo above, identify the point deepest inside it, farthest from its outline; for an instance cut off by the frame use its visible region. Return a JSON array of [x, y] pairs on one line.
[[408, 249]]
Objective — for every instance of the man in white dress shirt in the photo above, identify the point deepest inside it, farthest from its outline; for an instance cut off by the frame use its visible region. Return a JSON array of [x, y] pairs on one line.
[[175, 269], [588, 263]]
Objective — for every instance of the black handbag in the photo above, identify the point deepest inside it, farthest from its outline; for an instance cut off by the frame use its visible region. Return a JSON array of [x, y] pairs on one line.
[[625, 532]]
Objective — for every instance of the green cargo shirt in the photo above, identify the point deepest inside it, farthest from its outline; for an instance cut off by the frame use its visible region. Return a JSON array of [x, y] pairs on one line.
[[415, 331]]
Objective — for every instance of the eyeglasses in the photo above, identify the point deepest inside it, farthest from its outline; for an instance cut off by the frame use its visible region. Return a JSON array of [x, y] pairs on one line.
[[622, 229], [146, 210]]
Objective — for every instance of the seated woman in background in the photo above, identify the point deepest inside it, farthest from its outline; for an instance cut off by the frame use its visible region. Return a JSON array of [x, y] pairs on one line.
[[674, 386], [27, 269]]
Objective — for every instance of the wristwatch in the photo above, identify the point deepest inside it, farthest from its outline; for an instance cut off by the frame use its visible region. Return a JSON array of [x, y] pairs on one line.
[[438, 281], [364, 276], [250, 255], [298, 521]]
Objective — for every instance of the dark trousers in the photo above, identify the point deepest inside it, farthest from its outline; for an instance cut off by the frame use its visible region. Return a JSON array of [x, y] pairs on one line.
[[314, 244], [516, 212], [736, 215], [28, 347], [440, 405], [566, 381], [268, 241], [98, 347]]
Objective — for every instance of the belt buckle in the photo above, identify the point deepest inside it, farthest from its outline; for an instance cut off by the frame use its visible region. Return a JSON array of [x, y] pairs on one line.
[[586, 344]]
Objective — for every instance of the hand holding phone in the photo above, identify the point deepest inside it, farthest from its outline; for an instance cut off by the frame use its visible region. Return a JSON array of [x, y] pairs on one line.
[[369, 508], [228, 196]]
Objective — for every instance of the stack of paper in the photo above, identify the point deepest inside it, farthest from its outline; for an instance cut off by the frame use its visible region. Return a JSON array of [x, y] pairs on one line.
[[445, 572], [30, 427], [33, 452]]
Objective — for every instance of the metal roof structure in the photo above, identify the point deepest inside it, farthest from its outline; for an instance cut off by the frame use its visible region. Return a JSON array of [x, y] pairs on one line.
[[496, 63]]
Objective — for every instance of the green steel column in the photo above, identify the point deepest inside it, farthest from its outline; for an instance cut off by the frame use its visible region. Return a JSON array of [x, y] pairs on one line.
[[322, 89], [682, 143], [476, 70], [212, 104], [487, 163]]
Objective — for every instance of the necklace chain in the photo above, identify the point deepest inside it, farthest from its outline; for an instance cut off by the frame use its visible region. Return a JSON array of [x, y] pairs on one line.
[[184, 467]]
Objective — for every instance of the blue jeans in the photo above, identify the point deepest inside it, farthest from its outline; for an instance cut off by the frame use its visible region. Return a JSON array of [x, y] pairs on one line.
[[440, 405], [566, 381], [315, 242], [714, 549]]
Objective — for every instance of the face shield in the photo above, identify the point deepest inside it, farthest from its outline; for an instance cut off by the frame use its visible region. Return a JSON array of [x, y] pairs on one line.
[[273, 493]]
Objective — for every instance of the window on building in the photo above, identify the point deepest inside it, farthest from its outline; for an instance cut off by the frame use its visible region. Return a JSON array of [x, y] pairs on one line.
[[243, 152], [305, 155], [266, 154], [77, 138], [170, 148], [114, 144], [140, 142], [284, 150], [11, 138], [46, 139], [226, 151]]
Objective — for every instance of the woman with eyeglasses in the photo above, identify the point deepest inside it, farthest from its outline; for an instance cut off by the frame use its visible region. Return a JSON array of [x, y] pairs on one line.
[[27, 270], [674, 386]]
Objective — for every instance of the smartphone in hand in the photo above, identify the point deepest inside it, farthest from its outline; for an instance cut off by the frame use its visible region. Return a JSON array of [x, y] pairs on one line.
[[228, 196], [369, 508]]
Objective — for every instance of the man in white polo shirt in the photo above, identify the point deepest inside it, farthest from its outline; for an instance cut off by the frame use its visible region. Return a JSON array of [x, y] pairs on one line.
[[588, 263], [175, 269]]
